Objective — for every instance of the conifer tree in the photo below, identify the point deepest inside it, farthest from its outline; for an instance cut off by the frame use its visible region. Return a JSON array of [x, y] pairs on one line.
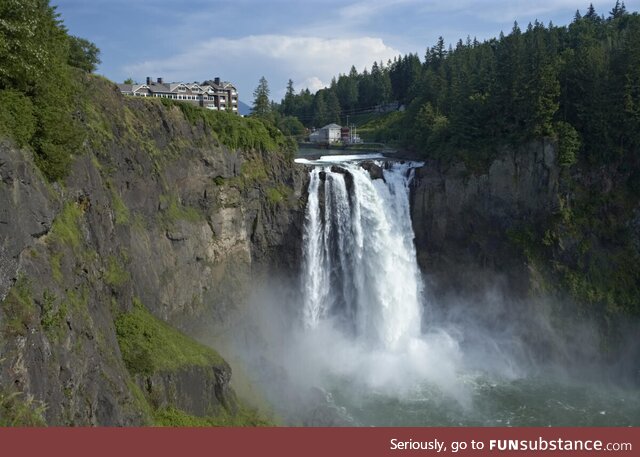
[[261, 104]]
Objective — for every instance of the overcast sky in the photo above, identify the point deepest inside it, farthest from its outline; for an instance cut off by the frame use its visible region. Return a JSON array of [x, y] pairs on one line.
[[307, 41]]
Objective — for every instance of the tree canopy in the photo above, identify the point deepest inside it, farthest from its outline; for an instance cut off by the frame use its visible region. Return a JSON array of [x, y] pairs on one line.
[[38, 83]]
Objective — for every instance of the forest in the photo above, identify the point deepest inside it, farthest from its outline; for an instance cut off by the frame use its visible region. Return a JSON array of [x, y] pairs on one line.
[[577, 86], [580, 83]]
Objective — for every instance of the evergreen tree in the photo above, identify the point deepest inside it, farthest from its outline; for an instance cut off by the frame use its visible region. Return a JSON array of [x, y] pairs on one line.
[[261, 104], [288, 104], [320, 111], [333, 107]]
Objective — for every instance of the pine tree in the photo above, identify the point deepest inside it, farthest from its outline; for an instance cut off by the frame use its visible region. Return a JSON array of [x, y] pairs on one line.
[[261, 104], [289, 100], [618, 10], [320, 112], [333, 107]]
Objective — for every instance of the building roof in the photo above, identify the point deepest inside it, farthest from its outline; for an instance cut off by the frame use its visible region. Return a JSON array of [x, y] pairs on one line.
[[331, 126]]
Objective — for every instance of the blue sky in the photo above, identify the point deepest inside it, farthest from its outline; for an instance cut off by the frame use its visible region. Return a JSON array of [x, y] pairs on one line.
[[307, 41]]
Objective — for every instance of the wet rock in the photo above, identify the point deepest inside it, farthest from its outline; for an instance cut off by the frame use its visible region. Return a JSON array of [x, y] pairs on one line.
[[375, 170]]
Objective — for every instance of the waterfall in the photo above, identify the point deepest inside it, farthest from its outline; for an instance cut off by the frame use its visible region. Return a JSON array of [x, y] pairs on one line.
[[360, 268]]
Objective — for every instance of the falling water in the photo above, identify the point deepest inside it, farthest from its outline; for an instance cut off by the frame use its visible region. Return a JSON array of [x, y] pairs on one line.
[[366, 356], [360, 266]]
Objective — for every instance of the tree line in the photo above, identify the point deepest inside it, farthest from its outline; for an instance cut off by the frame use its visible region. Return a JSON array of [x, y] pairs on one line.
[[579, 82], [39, 64]]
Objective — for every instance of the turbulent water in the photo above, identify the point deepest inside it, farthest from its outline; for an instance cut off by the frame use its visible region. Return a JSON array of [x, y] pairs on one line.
[[359, 260], [366, 342]]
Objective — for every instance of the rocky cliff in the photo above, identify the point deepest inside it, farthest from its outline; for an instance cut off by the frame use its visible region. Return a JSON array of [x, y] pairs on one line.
[[166, 217], [463, 221]]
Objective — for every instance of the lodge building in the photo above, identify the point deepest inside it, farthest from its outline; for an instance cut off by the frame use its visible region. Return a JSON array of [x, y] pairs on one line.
[[211, 94]]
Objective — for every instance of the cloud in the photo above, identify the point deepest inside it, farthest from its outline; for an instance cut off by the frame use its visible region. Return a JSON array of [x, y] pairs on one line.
[[310, 61]]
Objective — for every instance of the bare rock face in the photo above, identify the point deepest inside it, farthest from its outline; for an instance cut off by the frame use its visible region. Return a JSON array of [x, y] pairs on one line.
[[154, 210], [461, 219], [26, 210]]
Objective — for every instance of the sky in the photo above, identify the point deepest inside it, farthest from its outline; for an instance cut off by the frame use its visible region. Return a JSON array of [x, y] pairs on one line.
[[306, 41]]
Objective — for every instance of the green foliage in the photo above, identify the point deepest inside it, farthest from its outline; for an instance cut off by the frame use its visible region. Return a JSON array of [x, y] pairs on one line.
[[83, 54], [173, 211], [261, 103], [568, 144], [290, 125], [18, 308], [20, 410], [253, 170], [66, 226], [149, 345], [32, 42], [140, 403], [235, 132], [115, 274], [173, 417], [39, 90], [121, 212], [53, 315], [279, 194], [17, 118]]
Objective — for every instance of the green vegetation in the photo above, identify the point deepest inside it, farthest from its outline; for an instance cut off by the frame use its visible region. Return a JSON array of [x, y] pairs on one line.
[[261, 104], [18, 308], [17, 118], [140, 402], [577, 86], [172, 417], [121, 213], [148, 345], [578, 83], [39, 83], [53, 315], [235, 132], [115, 275], [20, 410], [83, 54], [278, 194], [66, 227], [173, 211]]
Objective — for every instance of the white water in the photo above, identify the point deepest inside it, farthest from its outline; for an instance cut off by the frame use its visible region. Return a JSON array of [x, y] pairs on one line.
[[366, 344], [359, 259]]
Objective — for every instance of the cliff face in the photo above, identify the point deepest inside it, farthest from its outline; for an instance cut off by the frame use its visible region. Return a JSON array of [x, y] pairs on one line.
[[463, 221], [157, 211]]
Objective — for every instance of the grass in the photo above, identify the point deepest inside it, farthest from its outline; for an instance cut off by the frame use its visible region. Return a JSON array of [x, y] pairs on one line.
[[122, 215], [52, 318], [175, 211], [20, 410], [66, 227], [115, 274], [140, 402], [234, 131], [278, 194], [19, 310], [173, 417], [149, 345]]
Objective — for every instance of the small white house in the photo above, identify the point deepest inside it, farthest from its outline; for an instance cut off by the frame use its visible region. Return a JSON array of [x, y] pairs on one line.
[[328, 134]]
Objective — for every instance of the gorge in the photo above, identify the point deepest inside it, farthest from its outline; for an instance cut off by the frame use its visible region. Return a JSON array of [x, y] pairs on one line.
[[169, 237]]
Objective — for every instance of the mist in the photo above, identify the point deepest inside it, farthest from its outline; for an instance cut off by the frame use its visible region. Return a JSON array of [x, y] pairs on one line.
[[362, 337]]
